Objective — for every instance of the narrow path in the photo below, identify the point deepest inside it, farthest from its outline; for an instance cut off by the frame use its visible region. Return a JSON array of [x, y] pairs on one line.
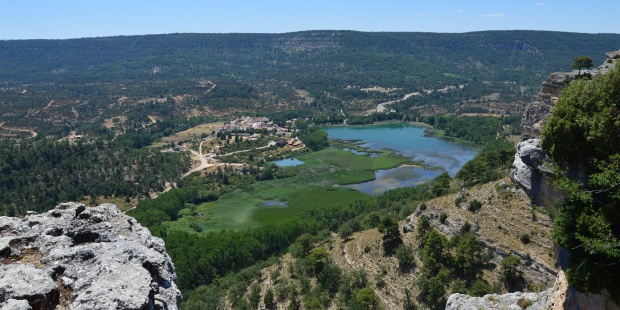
[[32, 132]]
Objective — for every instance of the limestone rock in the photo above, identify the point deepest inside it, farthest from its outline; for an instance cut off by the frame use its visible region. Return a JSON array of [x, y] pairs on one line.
[[529, 172], [510, 301], [537, 112], [82, 257], [560, 296]]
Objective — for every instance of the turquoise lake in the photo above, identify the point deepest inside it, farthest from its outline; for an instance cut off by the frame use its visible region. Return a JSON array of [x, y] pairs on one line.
[[411, 142]]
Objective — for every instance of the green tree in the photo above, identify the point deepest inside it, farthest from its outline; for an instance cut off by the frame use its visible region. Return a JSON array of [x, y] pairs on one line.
[[367, 299], [581, 62], [434, 251], [254, 297], [511, 274], [441, 184], [404, 254], [581, 137], [408, 302], [468, 255], [345, 231], [314, 138], [391, 235], [585, 122], [479, 288], [432, 291], [269, 300], [303, 245]]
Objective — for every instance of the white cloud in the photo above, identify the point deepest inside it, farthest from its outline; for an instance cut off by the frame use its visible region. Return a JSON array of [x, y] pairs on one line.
[[459, 11], [418, 14], [540, 4], [494, 15]]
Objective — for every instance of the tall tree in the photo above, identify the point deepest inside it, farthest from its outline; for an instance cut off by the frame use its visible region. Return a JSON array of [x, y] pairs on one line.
[[582, 62]]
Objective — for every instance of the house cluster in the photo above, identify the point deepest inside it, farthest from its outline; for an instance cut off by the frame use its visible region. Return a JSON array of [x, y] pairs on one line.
[[292, 142], [248, 122]]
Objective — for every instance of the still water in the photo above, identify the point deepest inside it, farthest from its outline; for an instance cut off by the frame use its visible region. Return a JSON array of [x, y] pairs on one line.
[[411, 142], [288, 162]]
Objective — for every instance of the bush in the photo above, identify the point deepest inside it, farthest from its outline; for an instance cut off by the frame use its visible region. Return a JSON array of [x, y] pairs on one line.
[[525, 238], [474, 206], [423, 207], [459, 199], [269, 300], [479, 288], [404, 254], [443, 217], [524, 302]]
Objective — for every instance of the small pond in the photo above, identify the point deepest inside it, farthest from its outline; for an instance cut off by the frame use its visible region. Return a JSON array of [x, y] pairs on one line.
[[288, 162], [275, 203]]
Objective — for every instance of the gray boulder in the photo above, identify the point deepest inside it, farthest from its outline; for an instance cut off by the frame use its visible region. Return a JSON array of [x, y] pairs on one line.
[[561, 296], [529, 171], [80, 257]]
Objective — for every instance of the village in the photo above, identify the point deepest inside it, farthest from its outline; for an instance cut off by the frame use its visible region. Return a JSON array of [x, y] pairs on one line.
[[249, 123], [251, 133]]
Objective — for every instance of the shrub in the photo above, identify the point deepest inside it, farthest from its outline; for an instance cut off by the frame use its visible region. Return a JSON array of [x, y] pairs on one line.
[[479, 288], [423, 207], [525, 238], [524, 302], [474, 206], [465, 228], [458, 200], [443, 217], [367, 249], [404, 254]]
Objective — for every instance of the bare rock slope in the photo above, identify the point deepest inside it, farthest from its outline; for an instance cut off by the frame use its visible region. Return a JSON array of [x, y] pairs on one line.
[[78, 257], [560, 296]]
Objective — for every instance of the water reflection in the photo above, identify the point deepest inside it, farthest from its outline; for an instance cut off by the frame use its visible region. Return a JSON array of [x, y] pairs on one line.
[[403, 176], [288, 162], [275, 203], [411, 142]]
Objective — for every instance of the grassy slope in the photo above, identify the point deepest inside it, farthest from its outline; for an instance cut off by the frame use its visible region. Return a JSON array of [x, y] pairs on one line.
[[501, 208]]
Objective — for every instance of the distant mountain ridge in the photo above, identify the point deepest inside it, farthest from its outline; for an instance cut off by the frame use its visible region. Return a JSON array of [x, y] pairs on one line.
[[191, 54], [54, 86]]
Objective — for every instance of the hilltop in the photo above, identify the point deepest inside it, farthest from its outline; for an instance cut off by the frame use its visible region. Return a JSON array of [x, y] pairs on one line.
[[116, 84]]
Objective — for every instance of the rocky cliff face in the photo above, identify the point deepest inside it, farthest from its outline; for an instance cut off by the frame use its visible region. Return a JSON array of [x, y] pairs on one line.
[[78, 257], [528, 170], [560, 296]]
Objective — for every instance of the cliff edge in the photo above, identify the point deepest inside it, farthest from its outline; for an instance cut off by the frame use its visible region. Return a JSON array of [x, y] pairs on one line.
[[528, 168], [79, 257], [560, 296]]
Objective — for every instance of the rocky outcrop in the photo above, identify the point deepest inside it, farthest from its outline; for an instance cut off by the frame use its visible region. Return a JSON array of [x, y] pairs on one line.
[[537, 112], [529, 171], [78, 257], [560, 296]]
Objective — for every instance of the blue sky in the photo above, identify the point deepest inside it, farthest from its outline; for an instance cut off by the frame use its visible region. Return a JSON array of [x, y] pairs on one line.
[[61, 19]]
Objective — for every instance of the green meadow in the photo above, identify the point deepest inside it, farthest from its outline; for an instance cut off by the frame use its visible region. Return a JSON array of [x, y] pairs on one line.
[[311, 186]]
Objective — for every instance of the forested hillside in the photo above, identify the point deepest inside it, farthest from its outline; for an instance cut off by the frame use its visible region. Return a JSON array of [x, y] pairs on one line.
[[36, 175], [55, 86]]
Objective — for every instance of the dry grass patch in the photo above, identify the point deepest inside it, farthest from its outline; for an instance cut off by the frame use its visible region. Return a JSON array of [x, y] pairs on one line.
[[505, 216]]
